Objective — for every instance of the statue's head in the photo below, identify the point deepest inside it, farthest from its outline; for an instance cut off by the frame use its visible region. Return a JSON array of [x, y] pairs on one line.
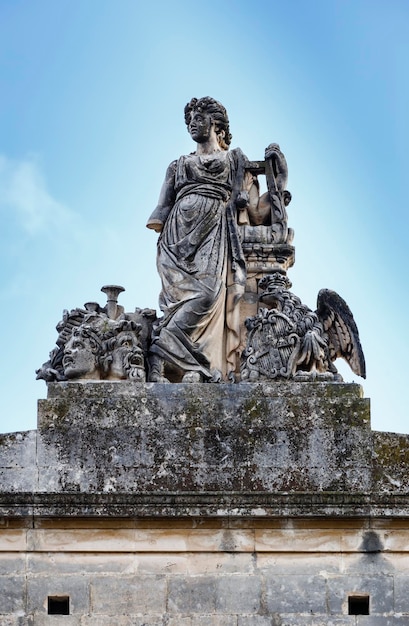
[[81, 354], [218, 114], [121, 350]]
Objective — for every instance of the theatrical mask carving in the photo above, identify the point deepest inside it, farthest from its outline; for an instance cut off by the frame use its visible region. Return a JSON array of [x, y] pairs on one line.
[[82, 354], [97, 343]]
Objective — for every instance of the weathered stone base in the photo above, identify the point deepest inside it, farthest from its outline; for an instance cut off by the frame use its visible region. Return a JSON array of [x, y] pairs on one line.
[[197, 505], [184, 438]]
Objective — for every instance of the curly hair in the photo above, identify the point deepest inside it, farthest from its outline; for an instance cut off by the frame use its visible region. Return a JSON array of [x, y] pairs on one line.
[[89, 334], [218, 114]]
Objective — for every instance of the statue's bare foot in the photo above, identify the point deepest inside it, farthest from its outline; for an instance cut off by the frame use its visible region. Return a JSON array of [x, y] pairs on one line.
[[192, 377], [155, 377], [156, 374]]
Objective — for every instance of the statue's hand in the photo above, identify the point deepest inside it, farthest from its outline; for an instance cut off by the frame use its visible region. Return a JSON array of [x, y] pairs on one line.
[[155, 224], [242, 200], [273, 150], [279, 163]]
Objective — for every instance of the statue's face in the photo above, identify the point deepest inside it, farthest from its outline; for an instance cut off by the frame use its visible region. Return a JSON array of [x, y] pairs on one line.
[[201, 126], [79, 360], [125, 343]]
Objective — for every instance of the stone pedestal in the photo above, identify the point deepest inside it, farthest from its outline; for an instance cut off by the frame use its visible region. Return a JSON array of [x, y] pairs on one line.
[[197, 505], [207, 442]]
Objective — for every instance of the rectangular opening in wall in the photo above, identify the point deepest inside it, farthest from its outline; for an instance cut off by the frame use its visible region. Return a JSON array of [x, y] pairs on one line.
[[58, 605], [358, 605]]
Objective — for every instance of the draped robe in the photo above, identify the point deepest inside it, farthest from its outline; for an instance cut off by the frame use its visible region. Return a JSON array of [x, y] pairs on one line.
[[201, 265]]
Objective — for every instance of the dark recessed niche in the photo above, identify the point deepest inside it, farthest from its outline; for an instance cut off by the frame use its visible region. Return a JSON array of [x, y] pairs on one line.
[[358, 605], [58, 605]]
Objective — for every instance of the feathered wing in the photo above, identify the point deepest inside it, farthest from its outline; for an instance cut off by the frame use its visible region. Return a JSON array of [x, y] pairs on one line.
[[339, 324]]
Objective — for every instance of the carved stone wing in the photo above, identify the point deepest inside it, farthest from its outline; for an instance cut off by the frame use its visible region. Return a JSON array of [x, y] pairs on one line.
[[339, 324]]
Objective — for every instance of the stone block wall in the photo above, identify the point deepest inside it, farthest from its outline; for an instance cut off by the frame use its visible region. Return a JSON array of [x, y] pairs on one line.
[[196, 572]]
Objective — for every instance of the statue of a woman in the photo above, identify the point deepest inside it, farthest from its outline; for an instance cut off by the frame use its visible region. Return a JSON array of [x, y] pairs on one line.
[[199, 258]]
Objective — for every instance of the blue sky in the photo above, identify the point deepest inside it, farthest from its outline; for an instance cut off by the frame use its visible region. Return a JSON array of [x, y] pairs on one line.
[[91, 113]]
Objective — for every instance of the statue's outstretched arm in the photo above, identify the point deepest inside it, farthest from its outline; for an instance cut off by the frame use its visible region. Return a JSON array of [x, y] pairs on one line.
[[166, 201]]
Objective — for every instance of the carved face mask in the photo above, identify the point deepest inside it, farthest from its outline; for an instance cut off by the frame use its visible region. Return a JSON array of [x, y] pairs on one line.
[[79, 361], [125, 344]]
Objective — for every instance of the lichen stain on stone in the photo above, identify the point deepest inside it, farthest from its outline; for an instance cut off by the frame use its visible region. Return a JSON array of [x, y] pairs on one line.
[[227, 543], [302, 409], [4, 440], [7, 440], [355, 412], [192, 406], [371, 542], [214, 437], [256, 407], [342, 391], [61, 409], [392, 451], [391, 461]]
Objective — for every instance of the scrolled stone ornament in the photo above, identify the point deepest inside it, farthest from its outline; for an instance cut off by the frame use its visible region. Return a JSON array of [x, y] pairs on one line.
[[272, 347], [52, 370], [286, 340]]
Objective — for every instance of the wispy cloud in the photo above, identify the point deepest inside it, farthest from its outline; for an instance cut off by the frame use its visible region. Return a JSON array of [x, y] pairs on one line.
[[24, 196]]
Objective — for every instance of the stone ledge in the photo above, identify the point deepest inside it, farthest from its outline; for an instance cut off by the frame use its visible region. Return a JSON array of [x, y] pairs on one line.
[[93, 388], [219, 505], [203, 540]]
